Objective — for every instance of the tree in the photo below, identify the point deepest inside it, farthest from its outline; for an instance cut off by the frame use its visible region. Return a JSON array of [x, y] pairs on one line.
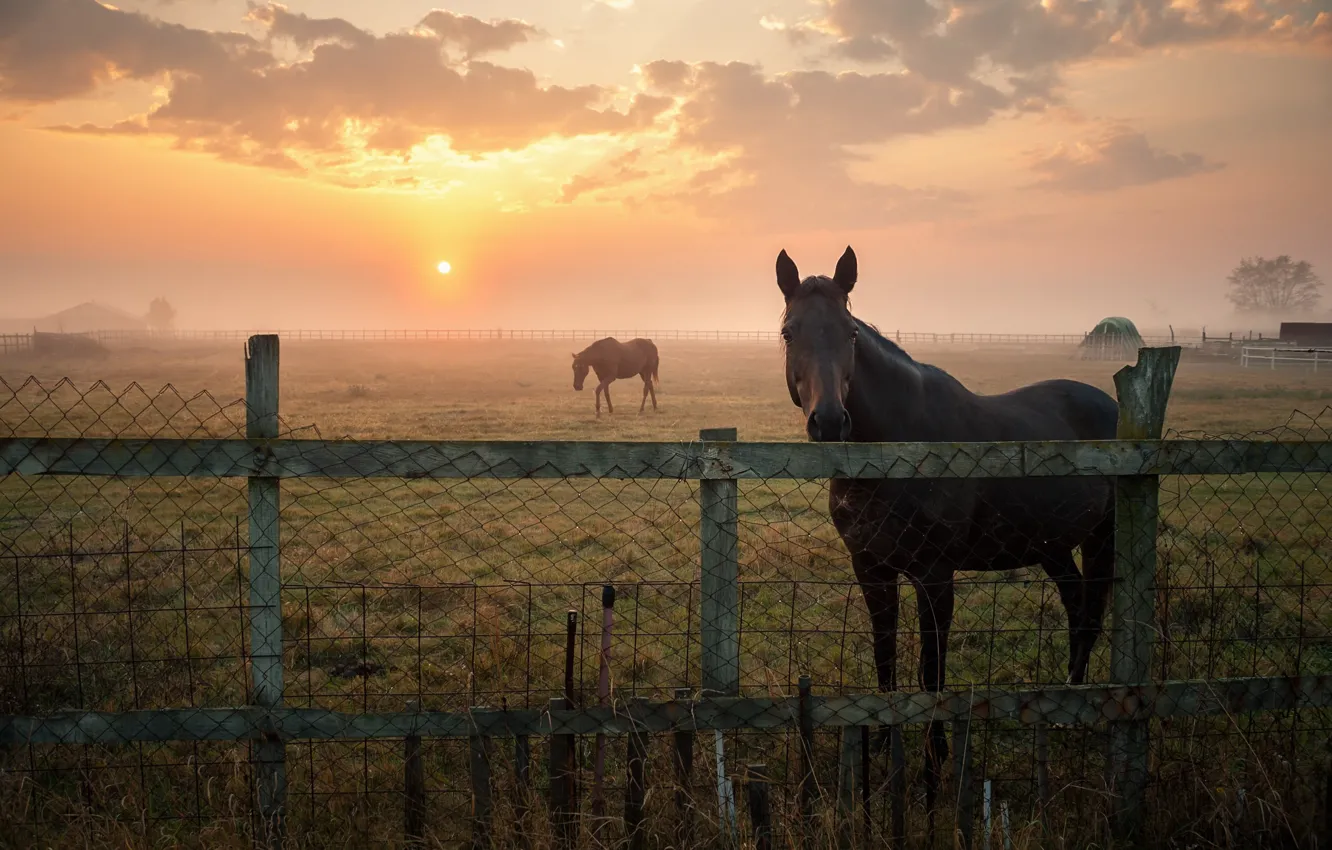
[[1261, 285], [161, 315]]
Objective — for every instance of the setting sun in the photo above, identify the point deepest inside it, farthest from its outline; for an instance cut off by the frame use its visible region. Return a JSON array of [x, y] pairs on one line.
[[444, 267]]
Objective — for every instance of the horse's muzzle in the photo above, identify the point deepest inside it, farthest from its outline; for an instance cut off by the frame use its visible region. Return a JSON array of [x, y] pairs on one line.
[[829, 425]]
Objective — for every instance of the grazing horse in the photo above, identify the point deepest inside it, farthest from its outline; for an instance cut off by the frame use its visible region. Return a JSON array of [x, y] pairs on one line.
[[852, 384], [612, 359]]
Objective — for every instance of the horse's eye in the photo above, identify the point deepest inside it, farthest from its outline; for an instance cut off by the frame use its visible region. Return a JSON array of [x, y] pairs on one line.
[[854, 333], [786, 334]]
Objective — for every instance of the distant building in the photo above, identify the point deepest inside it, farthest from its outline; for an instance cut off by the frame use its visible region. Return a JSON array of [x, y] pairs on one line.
[[89, 316], [1309, 334]]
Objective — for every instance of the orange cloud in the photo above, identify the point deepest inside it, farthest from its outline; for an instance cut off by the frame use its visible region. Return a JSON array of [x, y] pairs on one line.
[[1118, 157], [353, 95]]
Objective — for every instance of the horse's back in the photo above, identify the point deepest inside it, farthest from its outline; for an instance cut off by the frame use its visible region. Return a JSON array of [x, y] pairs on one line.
[[1057, 409], [639, 356]]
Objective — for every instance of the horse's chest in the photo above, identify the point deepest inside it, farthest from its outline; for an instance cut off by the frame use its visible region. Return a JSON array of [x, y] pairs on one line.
[[885, 516]]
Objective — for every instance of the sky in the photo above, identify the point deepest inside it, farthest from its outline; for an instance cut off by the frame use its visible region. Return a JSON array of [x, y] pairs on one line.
[[1004, 165]]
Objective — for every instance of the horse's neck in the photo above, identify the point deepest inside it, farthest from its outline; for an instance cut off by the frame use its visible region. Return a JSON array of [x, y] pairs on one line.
[[893, 398]]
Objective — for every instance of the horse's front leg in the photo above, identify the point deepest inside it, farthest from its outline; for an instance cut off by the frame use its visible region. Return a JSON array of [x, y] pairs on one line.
[[882, 591], [605, 388], [598, 394], [934, 601]]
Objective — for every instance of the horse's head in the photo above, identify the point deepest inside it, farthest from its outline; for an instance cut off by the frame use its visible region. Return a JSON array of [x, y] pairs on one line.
[[580, 372], [819, 337]]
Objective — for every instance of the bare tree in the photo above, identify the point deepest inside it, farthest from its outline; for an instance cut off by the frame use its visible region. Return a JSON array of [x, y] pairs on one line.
[[1262, 285], [161, 315]]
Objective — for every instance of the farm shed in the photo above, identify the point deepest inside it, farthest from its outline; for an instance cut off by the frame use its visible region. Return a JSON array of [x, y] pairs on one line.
[[1310, 334]]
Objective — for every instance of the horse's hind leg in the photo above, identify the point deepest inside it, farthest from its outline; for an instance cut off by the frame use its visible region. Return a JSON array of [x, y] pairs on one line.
[[1098, 568], [643, 404], [882, 592], [1061, 568]]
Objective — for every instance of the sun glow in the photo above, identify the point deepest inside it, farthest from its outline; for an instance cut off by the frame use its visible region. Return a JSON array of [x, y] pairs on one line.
[[444, 267]]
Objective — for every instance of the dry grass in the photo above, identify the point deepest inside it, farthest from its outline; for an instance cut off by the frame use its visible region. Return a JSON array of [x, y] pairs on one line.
[[456, 592]]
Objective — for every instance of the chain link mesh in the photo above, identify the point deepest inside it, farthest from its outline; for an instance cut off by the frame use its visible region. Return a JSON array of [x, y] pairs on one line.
[[131, 594]]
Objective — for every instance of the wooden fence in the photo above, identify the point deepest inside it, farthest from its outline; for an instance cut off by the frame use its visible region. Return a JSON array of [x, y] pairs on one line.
[[718, 461], [904, 337], [15, 342]]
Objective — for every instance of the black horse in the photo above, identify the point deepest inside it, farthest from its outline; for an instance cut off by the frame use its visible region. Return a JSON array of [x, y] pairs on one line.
[[852, 384]]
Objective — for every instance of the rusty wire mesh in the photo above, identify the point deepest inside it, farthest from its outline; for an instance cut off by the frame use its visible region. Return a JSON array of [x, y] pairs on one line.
[[120, 594]]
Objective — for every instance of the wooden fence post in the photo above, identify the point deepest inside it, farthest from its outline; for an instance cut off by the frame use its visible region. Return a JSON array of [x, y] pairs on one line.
[[719, 554], [482, 802], [261, 422], [720, 605], [760, 811], [561, 782], [684, 770], [1143, 392]]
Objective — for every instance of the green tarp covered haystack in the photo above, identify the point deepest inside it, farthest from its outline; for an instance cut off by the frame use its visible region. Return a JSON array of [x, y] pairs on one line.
[[1113, 338]]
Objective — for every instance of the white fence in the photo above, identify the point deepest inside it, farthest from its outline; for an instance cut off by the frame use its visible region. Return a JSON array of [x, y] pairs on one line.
[[1272, 356]]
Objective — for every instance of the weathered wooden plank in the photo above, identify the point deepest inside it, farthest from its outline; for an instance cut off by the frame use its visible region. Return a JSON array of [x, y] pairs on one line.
[[261, 423], [1144, 390], [1075, 705], [236, 458]]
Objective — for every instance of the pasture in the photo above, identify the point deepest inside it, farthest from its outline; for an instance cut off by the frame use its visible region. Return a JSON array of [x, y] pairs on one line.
[[455, 593]]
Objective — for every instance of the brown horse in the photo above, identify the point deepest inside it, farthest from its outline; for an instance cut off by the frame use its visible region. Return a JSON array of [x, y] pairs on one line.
[[612, 359]]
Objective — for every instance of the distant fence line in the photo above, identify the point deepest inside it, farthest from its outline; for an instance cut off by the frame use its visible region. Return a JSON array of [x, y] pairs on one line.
[[14, 342]]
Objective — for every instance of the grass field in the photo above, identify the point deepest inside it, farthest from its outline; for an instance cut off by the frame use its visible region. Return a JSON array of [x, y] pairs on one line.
[[455, 592]]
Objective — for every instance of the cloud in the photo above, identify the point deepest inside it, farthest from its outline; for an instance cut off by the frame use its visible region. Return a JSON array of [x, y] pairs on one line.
[[475, 37], [782, 148], [949, 39], [57, 49], [1030, 42], [1118, 157], [350, 93], [615, 174]]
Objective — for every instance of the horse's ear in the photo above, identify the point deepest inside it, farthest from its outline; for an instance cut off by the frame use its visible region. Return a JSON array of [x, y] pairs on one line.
[[788, 276], [845, 275]]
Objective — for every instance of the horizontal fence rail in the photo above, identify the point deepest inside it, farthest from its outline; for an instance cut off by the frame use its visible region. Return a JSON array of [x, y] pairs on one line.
[[1086, 704], [232, 458], [18, 342]]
